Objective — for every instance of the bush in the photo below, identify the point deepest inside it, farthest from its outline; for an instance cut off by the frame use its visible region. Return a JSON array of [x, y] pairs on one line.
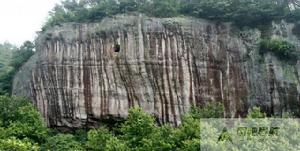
[[255, 112], [13, 144], [9, 109], [282, 49], [138, 126], [28, 123], [21, 120], [102, 139], [63, 142], [211, 110]]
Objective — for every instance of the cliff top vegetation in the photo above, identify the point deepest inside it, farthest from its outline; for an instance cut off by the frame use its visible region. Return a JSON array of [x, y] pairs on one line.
[[241, 12]]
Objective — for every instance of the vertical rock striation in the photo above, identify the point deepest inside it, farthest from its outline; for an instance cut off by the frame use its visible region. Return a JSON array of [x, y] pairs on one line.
[[165, 66]]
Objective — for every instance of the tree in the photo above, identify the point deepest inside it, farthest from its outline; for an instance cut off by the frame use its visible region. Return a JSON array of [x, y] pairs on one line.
[[128, 5], [165, 8], [28, 123], [21, 120], [6, 70], [22, 55], [102, 139], [13, 144], [63, 142], [138, 126]]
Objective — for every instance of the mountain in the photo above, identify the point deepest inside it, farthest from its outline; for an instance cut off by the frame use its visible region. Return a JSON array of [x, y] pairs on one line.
[[83, 73]]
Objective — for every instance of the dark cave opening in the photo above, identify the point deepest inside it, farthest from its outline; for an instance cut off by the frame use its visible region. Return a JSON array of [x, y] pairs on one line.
[[117, 48]]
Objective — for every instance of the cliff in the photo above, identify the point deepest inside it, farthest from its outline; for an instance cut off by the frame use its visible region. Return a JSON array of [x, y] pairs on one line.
[[85, 73]]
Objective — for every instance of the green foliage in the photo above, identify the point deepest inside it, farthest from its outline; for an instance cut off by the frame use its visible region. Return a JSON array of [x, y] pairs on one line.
[[187, 131], [6, 71], [102, 139], [28, 124], [138, 126], [160, 140], [63, 142], [6, 80], [9, 109], [11, 59], [13, 144], [256, 113], [22, 129], [141, 133], [280, 48], [211, 110], [165, 8], [256, 12], [21, 120], [22, 55]]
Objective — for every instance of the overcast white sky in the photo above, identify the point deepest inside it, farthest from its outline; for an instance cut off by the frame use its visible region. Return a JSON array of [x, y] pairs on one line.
[[20, 19]]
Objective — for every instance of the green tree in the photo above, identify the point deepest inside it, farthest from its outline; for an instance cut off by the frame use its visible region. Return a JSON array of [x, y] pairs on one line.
[[9, 109], [28, 124], [138, 126], [102, 139], [63, 142], [211, 110], [128, 5], [6, 70], [13, 144], [21, 120], [22, 55], [255, 112], [13, 63], [165, 8]]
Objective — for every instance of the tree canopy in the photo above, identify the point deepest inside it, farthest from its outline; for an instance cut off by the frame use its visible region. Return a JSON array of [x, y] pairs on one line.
[[241, 12], [11, 60], [22, 128]]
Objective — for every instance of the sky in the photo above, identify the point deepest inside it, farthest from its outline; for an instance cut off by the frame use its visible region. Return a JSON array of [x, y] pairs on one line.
[[21, 19]]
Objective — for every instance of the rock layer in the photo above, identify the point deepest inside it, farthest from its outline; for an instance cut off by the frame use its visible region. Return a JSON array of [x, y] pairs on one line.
[[165, 66]]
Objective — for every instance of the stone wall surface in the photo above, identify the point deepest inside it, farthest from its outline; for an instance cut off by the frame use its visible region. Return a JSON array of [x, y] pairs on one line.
[[164, 66]]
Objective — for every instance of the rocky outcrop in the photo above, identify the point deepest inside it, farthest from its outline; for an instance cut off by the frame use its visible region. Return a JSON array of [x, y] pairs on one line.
[[84, 73]]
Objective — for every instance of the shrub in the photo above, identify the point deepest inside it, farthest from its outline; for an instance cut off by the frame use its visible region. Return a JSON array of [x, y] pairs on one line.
[[28, 123], [211, 110], [256, 113], [63, 142], [13, 144], [282, 49], [138, 126], [102, 139], [21, 120]]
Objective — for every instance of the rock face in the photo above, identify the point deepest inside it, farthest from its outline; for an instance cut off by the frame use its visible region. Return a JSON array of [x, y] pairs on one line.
[[84, 73]]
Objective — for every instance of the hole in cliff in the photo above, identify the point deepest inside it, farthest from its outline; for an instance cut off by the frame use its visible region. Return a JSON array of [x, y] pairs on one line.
[[117, 48]]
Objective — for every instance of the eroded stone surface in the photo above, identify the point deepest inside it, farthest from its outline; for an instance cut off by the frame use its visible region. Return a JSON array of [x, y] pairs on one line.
[[164, 65]]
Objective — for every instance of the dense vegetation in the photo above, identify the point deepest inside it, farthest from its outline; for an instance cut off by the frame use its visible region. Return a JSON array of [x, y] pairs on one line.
[[242, 12], [282, 49], [22, 129], [11, 59]]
